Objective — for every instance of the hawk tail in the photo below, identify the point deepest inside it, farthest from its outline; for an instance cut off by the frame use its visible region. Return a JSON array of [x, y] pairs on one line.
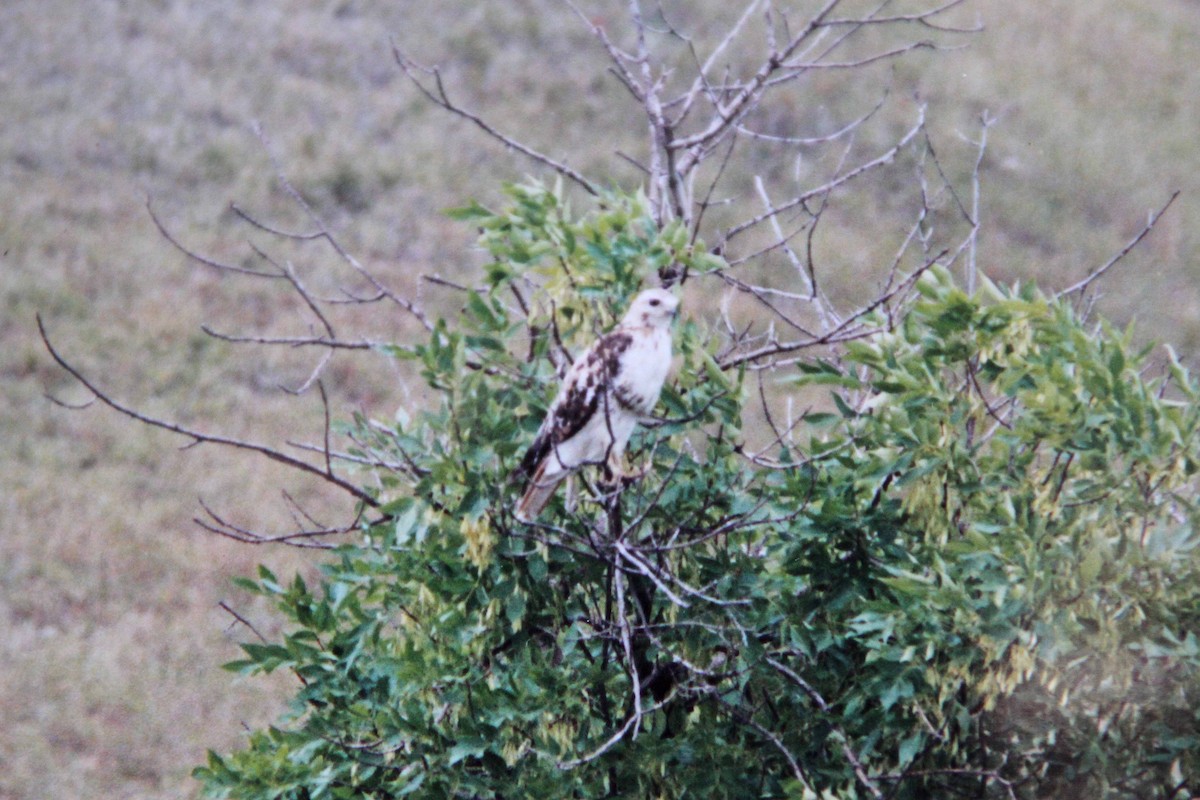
[[538, 492]]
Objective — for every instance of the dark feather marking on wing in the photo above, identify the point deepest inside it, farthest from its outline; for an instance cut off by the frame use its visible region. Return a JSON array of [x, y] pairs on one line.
[[630, 400], [600, 364]]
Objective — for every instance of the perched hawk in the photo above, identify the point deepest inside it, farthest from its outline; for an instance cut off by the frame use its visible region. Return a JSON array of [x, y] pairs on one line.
[[606, 392]]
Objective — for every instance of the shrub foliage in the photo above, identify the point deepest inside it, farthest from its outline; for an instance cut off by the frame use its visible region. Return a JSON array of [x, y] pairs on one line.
[[899, 535], [967, 570]]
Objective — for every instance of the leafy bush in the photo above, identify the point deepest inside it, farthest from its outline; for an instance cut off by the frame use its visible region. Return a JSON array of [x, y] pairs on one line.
[[968, 571]]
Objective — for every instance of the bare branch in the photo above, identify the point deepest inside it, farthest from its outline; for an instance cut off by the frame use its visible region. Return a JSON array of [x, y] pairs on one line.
[[848, 330], [855, 762], [700, 84], [192, 254], [439, 97], [291, 341], [782, 242], [645, 569], [69, 406], [808, 141], [250, 219], [309, 539], [728, 115], [618, 57], [745, 719], [924, 18], [199, 437], [616, 738], [239, 618], [635, 679], [314, 377], [325, 233], [1092, 276], [325, 409], [842, 178]]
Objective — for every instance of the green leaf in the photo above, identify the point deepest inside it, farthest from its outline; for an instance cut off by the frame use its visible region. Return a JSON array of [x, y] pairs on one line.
[[470, 212], [845, 410], [910, 747], [467, 748]]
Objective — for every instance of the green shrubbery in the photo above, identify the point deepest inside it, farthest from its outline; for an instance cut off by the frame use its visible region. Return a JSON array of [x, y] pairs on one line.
[[969, 571]]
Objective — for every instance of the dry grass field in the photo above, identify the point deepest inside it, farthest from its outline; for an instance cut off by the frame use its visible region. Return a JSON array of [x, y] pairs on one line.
[[111, 635]]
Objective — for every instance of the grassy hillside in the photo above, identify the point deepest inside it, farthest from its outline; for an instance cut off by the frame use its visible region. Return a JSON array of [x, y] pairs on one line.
[[110, 629]]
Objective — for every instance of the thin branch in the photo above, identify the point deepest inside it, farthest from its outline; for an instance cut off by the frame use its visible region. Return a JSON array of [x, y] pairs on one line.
[[438, 280], [292, 341], [618, 57], [249, 218], [848, 330], [299, 509], [730, 114], [295, 539], [797, 771], [616, 738], [782, 242], [239, 618], [439, 97], [325, 233], [1092, 276], [325, 409], [313, 377], [883, 158], [921, 17], [700, 85], [987, 775], [205, 260], [645, 569], [808, 141], [855, 762], [986, 122], [199, 437], [69, 406], [635, 679], [795, 68]]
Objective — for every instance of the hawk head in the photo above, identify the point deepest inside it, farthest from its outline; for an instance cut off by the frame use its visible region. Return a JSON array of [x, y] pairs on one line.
[[653, 308]]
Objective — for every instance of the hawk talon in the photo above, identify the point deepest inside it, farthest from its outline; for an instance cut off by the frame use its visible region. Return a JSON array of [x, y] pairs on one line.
[[630, 478], [615, 480]]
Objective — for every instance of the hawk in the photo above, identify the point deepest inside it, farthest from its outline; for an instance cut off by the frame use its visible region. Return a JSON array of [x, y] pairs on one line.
[[609, 389]]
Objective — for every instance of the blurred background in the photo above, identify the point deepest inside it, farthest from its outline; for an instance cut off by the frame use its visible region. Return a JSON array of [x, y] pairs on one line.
[[111, 628]]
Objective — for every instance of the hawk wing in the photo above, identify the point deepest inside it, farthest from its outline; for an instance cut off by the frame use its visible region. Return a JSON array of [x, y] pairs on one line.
[[590, 378]]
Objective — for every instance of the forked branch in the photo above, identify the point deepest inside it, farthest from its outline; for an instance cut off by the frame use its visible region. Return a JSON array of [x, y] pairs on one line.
[[438, 95], [199, 437]]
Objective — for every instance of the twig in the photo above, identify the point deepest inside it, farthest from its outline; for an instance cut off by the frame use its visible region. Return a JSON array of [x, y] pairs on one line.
[[921, 17], [292, 341], [728, 115], [745, 719], [205, 260], [199, 437], [238, 617], [645, 569], [635, 678], [848, 330], [325, 233], [884, 158], [615, 739], [855, 763], [295, 539], [1134, 242], [439, 97]]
